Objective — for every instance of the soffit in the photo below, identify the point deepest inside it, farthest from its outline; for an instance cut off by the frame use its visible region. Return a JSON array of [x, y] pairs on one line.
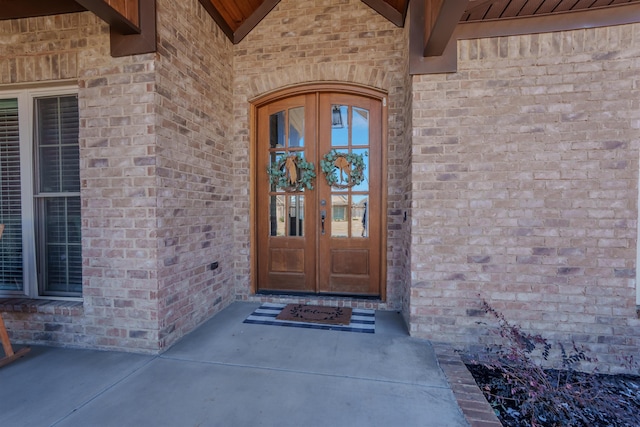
[[237, 18], [236, 13], [486, 10]]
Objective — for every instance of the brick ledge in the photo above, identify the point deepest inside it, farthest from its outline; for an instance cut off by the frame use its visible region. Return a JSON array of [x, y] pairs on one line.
[[26, 305], [472, 402]]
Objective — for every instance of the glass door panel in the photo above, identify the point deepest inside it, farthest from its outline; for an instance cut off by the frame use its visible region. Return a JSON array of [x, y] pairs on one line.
[[359, 215], [360, 126]]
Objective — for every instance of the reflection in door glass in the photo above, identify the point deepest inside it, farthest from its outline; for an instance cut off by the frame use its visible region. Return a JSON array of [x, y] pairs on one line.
[[360, 127], [286, 215], [364, 185], [274, 157], [276, 215], [296, 127], [339, 215], [295, 216], [359, 223], [276, 130], [339, 125]]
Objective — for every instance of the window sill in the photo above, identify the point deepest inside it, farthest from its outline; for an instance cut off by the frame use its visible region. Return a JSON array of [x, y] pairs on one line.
[[26, 305]]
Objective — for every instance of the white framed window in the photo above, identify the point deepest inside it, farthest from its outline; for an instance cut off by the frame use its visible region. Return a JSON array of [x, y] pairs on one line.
[[40, 250]]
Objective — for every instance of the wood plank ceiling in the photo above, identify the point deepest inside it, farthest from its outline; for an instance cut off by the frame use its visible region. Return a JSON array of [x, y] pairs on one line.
[[235, 13], [238, 17], [484, 10]]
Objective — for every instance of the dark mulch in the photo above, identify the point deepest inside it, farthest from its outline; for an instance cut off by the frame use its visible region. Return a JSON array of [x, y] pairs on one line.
[[616, 403]]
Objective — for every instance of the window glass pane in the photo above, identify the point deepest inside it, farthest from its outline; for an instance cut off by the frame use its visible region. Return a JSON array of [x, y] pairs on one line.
[[339, 215], [74, 226], [339, 126], [58, 171], [62, 245], [360, 127], [48, 120], [359, 223], [50, 170], [61, 279], [296, 127], [57, 140], [276, 130], [276, 215], [296, 215], [364, 185], [10, 201], [275, 157], [70, 173]]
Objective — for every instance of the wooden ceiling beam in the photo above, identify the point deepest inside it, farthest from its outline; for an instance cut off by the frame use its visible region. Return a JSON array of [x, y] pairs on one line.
[[132, 24], [31, 8], [215, 15], [249, 23], [440, 20], [143, 42], [122, 16], [388, 11], [253, 20], [627, 13]]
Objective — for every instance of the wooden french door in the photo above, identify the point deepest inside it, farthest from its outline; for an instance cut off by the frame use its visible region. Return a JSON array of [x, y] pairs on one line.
[[314, 235]]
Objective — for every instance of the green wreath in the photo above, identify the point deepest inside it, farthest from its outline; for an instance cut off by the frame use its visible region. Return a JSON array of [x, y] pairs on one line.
[[291, 172], [343, 170]]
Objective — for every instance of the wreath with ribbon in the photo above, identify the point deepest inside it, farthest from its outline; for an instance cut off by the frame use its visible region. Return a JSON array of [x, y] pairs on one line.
[[343, 170], [291, 172]]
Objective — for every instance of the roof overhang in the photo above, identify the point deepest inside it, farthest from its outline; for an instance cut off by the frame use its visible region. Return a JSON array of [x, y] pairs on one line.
[[435, 25], [446, 61]]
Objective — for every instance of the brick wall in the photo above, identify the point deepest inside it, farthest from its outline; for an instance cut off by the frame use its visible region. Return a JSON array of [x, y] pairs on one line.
[[47, 48], [155, 158], [118, 191], [194, 162], [525, 189], [404, 204], [116, 99], [523, 183], [312, 41]]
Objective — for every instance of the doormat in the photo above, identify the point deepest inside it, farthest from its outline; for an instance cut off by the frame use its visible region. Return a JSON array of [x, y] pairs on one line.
[[316, 314], [362, 320]]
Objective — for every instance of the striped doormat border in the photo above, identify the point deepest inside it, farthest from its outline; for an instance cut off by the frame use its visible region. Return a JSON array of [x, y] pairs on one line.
[[362, 320]]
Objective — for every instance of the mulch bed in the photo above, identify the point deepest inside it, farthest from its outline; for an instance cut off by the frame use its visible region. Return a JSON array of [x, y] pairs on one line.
[[620, 392]]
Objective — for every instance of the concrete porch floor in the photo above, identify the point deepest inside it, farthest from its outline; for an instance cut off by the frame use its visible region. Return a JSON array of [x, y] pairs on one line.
[[227, 373]]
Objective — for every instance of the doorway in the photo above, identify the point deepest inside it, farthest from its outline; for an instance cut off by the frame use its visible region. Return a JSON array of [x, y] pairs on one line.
[[319, 179]]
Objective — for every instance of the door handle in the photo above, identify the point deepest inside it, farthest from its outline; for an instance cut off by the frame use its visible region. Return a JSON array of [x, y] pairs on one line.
[[323, 215]]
